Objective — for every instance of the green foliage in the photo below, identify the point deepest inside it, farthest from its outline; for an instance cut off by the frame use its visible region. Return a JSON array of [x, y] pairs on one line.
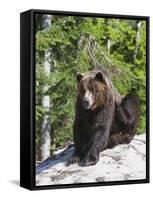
[[80, 44]]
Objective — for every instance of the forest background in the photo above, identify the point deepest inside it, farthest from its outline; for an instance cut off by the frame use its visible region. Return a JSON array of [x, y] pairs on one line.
[[68, 44]]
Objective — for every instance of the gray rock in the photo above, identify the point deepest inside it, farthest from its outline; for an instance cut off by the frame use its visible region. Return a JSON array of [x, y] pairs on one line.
[[123, 162]]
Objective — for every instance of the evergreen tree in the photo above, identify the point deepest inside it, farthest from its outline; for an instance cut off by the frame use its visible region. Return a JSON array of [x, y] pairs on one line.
[[81, 44]]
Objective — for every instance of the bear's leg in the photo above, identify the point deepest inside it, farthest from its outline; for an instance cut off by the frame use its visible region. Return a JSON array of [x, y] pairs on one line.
[[97, 143], [91, 158], [121, 114], [118, 138], [128, 112], [127, 115], [113, 140]]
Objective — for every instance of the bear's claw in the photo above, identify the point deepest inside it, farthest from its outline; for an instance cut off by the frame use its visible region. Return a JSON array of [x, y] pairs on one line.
[[73, 159], [86, 163]]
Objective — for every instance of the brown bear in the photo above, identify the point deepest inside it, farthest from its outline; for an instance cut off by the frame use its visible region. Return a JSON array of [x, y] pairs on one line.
[[99, 112], [125, 122]]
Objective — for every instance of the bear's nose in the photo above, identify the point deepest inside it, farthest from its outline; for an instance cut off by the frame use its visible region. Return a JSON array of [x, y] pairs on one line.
[[85, 103]]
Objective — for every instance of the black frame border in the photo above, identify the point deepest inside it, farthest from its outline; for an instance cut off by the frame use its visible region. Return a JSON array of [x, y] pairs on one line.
[[27, 99]]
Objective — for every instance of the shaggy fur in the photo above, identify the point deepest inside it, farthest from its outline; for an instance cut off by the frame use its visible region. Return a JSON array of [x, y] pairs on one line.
[[102, 118], [92, 126], [126, 119]]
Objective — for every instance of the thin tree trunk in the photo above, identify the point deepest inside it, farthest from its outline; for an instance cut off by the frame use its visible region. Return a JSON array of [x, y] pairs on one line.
[[108, 45], [43, 24], [137, 39], [46, 122], [108, 40]]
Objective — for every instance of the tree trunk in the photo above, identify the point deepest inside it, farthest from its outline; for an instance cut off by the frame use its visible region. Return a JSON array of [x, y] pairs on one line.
[[46, 122], [108, 40], [137, 39], [43, 23]]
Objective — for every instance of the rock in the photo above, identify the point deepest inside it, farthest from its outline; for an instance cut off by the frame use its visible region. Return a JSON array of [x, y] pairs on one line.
[[123, 162]]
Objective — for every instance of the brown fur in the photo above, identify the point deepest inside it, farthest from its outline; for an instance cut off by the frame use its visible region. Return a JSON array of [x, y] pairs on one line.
[[110, 120], [127, 115], [92, 126], [99, 89]]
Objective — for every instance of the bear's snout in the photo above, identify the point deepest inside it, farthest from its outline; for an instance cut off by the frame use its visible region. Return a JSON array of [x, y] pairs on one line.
[[88, 100], [86, 104]]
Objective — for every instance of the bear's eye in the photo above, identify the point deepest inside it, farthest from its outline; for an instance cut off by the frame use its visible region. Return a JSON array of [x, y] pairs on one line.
[[96, 89]]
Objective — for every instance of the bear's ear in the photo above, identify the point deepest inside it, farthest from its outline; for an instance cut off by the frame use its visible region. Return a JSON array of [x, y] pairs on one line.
[[99, 76], [79, 76]]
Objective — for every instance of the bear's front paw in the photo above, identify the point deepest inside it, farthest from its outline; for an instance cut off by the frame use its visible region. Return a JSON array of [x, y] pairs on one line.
[[73, 159], [88, 162]]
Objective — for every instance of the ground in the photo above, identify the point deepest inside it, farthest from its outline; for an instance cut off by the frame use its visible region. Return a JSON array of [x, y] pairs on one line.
[[123, 162]]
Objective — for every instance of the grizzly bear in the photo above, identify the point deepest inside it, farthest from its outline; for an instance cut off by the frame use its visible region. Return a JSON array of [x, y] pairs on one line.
[[125, 122], [98, 108]]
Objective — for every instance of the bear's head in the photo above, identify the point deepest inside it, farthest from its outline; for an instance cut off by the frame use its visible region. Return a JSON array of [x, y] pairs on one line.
[[92, 89]]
